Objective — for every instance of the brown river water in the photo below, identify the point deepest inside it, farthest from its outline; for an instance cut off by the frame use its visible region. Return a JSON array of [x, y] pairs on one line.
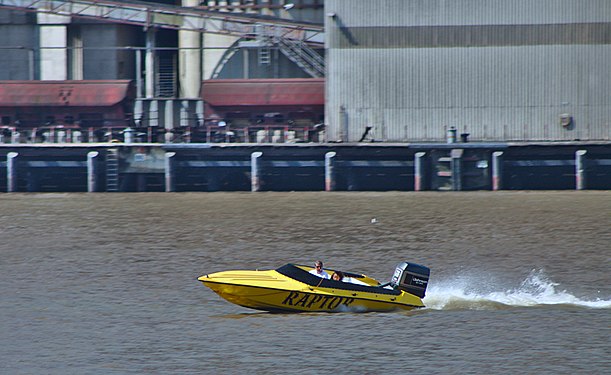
[[106, 283]]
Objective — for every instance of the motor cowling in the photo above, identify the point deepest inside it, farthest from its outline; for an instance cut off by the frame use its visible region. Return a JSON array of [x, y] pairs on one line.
[[411, 278]]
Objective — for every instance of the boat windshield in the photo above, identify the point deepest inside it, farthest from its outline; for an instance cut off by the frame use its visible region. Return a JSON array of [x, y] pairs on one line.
[[299, 274]]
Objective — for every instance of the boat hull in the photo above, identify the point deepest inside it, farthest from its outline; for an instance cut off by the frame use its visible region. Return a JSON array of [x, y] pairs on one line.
[[274, 292]]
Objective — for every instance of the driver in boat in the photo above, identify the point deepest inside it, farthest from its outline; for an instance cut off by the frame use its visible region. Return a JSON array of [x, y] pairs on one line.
[[339, 276], [318, 271]]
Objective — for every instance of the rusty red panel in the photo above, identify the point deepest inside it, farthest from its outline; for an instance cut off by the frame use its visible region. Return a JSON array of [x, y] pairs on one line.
[[264, 92], [63, 93]]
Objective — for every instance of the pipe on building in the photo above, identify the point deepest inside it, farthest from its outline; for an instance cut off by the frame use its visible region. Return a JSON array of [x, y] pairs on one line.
[[149, 63], [139, 73]]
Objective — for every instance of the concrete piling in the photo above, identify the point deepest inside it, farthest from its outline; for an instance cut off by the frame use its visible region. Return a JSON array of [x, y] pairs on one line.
[[11, 172], [456, 164], [329, 171], [255, 171], [497, 170], [419, 159], [92, 171], [170, 172], [580, 169]]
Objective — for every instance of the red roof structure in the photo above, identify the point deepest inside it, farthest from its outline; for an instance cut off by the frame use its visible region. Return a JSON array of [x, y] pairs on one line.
[[264, 92], [64, 93]]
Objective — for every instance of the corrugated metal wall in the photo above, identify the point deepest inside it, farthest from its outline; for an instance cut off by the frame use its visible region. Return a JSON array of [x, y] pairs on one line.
[[499, 70]]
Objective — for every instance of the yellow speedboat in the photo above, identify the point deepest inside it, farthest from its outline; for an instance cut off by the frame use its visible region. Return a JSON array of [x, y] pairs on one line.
[[291, 288]]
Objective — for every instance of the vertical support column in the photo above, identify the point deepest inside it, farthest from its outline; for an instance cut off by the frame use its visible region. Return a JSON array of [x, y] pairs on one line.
[[128, 135], [330, 171], [138, 73], [11, 172], [138, 112], [15, 135], [419, 159], [53, 35], [31, 64], [580, 169], [185, 119], [199, 111], [149, 63], [497, 170], [92, 171], [255, 171], [190, 60], [168, 120], [456, 164], [170, 172], [245, 63], [76, 55], [153, 115]]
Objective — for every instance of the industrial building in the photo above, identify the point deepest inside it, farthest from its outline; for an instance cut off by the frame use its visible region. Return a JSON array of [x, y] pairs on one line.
[[396, 70], [494, 70], [169, 51], [304, 95]]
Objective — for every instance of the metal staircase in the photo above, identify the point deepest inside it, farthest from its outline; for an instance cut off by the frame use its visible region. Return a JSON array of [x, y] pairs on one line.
[[297, 51], [302, 55]]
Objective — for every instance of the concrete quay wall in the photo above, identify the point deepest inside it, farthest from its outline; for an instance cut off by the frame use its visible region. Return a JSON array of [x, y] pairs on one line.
[[142, 167]]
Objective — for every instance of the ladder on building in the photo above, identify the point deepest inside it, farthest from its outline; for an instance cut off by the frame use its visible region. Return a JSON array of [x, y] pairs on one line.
[[112, 170], [265, 56], [443, 179]]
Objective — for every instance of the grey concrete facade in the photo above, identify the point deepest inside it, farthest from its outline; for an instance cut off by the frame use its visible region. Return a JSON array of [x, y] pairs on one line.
[[497, 70]]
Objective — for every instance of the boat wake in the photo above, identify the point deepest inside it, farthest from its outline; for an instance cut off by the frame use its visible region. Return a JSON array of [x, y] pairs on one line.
[[536, 290]]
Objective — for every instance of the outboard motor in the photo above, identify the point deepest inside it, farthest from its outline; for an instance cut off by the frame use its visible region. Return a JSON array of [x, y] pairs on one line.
[[411, 278]]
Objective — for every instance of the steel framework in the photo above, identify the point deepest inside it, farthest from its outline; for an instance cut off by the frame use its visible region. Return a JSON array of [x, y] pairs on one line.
[[172, 17]]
